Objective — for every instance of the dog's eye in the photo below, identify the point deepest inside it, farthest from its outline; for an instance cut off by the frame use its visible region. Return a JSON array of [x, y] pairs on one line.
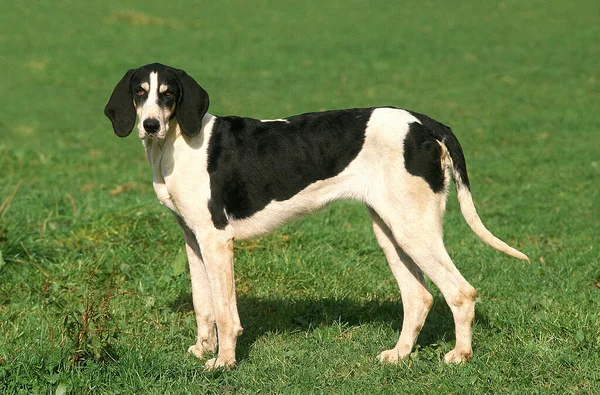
[[168, 93], [140, 92]]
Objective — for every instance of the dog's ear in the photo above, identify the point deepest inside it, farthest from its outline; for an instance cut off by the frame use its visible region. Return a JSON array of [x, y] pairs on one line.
[[192, 104], [120, 109]]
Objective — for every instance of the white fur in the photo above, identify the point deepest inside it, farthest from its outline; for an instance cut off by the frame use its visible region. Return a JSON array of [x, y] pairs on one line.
[[275, 120]]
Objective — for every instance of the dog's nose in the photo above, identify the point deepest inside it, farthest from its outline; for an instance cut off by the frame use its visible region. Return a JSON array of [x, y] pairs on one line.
[[151, 125]]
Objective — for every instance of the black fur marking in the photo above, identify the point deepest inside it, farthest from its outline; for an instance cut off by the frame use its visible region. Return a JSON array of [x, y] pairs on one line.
[[252, 163], [192, 104], [139, 94], [444, 134], [119, 108], [422, 156], [168, 98]]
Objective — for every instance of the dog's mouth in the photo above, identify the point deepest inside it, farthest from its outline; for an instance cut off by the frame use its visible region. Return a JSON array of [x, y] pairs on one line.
[[150, 137], [160, 136]]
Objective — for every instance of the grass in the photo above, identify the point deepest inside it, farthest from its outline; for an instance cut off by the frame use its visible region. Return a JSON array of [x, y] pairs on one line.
[[94, 291]]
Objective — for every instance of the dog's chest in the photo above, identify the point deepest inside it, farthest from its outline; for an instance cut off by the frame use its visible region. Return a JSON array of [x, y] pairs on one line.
[[180, 180], [155, 153]]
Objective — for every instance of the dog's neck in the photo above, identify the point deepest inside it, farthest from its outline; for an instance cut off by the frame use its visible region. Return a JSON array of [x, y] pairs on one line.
[[155, 150], [160, 154]]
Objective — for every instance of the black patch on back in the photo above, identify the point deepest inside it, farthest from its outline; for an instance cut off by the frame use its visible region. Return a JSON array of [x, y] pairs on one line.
[[252, 163], [444, 134], [422, 156]]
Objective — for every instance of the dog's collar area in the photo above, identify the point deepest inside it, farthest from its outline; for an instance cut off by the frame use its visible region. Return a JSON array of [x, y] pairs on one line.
[[148, 139]]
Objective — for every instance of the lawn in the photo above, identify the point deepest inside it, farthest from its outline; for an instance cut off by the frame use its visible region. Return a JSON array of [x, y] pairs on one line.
[[94, 290]]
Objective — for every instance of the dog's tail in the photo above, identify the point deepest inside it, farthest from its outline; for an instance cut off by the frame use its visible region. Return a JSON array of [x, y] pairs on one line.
[[459, 173], [465, 199]]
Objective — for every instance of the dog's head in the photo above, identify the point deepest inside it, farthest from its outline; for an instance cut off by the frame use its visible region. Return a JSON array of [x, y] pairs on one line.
[[157, 94]]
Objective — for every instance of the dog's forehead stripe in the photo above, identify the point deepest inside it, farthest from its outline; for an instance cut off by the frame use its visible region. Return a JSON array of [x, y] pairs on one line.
[[153, 81], [153, 90]]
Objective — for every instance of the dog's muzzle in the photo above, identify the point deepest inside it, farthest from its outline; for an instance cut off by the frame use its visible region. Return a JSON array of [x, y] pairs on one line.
[[151, 125]]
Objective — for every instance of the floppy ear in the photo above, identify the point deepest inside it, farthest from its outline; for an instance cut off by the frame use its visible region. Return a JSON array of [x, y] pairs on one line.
[[119, 108], [192, 105]]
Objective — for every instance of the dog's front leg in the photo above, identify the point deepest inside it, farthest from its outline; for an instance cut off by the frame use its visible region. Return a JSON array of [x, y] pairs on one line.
[[217, 252], [206, 341]]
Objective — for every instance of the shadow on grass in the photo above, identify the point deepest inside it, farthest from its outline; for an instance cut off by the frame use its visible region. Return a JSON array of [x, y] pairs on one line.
[[261, 316]]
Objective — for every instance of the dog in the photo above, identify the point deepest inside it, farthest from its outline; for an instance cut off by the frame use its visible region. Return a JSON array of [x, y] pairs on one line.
[[227, 178]]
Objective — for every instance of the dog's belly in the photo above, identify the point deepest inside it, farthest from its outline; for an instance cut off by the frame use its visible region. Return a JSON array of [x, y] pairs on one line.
[[311, 198]]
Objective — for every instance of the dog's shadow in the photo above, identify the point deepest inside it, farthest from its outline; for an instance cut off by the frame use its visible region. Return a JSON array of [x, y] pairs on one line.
[[261, 316]]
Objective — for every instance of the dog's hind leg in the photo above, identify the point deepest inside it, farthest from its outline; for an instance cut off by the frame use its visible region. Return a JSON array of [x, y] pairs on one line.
[[416, 299], [415, 220], [432, 258], [421, 238]]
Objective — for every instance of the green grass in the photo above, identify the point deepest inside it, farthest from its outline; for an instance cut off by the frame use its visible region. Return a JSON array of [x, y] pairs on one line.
[[94, 291]]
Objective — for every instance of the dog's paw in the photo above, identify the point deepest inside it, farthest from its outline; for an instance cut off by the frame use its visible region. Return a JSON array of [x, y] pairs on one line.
[[198, 351], [458, 356], [219, 363], [392, 356]]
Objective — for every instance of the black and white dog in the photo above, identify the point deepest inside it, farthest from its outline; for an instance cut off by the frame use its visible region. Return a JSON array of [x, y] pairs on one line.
[[227, 178]]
